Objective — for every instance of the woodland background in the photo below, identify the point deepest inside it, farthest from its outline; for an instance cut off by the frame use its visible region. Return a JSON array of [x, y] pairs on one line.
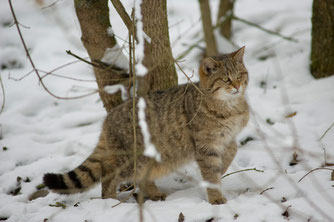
[[286, 152]]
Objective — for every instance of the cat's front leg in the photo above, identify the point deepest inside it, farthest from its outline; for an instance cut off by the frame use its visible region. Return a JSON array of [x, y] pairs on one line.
[[210, 164], [228, 156]]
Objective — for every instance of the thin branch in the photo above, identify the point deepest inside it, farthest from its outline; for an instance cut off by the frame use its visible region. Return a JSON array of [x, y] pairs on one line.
[[325, 159], [49, 6], [323, 135], [3, 95], [189, 80], [82, 59], [264, 29], [126, 199], [319, 168], [32, 63], [125, 17], [199, 107], [239, 171], [22, 77], [132, 47], [269, 188], [98, 64]]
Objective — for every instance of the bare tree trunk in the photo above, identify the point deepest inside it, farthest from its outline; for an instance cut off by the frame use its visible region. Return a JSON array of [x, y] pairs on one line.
[[322, 54], [211, 47], [225, 9], [158, 54], [93, 16]]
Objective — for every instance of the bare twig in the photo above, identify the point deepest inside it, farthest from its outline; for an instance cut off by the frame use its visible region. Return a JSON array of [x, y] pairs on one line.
[[82, 59], [22, 77], [49, 6], [239, 171], [3, 95], [125, 17], [325, 159], [126, 199], [32, 63], [269, 188], [323, 135], [264, 29], [319, 168]]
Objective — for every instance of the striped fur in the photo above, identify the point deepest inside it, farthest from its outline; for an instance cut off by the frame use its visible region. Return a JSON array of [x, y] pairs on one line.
[[187, 123]]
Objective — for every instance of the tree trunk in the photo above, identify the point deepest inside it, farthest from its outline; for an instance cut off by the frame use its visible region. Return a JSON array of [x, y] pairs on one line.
[[225, 9], [93, 16], [94, 21], [211, 47], [322, 54], [158, 54]]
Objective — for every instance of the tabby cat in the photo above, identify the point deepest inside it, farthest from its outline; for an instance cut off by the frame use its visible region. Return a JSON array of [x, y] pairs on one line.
[[190, 122]]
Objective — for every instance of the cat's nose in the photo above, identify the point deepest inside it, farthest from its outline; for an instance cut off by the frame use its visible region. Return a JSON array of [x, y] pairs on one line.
[[236, 86]]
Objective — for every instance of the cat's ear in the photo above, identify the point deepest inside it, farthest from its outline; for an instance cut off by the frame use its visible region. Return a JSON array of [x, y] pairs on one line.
[[209, 65], [239, 54]]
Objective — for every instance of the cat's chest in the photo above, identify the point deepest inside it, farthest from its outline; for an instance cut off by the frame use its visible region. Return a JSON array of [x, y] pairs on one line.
[[227, 129]]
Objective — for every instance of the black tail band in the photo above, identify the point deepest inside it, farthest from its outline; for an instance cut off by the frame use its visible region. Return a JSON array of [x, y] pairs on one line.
[[74, 178], [54, 181]]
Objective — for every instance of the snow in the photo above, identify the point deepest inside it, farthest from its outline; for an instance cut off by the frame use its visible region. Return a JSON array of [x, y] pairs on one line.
[[141, 70], [150, 150], [115, 88], [115, 56], [43, 134]]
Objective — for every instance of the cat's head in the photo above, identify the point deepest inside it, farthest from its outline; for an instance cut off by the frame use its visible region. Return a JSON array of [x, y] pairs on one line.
[[224, 76]]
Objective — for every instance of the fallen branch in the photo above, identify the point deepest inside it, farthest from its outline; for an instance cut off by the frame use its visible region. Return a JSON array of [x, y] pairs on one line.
[[239, 171], [319, 168]]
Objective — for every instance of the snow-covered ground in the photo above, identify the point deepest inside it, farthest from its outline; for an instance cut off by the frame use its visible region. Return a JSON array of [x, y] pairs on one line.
[[40, 134]]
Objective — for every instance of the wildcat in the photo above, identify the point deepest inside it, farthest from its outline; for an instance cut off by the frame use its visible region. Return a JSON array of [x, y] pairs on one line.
[[189, 122]]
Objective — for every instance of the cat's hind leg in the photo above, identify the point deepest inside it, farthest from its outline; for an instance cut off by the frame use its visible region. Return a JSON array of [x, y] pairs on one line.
[[109, 187], [151, 191]]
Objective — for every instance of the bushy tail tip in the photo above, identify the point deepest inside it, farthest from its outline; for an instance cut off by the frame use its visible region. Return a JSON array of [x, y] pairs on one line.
[[54, 181]]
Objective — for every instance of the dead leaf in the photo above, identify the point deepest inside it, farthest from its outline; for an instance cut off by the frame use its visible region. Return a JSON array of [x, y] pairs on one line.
[[294, 160], [291, 115]]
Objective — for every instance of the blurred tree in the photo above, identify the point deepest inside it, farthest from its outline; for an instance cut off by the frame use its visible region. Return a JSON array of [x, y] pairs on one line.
[[224, 18], [211, 46], [322, 51], [93, 16]]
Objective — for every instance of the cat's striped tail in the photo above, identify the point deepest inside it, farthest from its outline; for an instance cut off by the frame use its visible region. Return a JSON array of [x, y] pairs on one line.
[[79, 179]]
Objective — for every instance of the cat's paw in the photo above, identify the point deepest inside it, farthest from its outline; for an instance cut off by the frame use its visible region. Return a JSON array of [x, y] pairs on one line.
[[157, 196], [152, 196], [221, 200]]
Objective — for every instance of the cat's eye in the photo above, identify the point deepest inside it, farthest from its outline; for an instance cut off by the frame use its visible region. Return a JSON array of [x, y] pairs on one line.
[[225, 79], [238, 76]]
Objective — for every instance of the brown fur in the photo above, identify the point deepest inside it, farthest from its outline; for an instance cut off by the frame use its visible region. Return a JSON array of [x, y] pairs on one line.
[[185, 125]]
